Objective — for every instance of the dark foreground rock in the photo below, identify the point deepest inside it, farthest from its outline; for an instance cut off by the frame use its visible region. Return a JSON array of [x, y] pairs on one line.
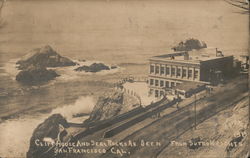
[[95, 67], [49, 128], [189, 45], [35, 75], [44, 57], [107, 106]]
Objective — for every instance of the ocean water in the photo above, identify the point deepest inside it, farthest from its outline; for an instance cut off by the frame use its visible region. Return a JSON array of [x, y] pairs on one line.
[[122, 33], [15, 133]]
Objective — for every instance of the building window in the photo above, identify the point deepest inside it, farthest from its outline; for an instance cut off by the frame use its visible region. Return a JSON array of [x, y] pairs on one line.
[[172, 84], [152, 69], [167, 84], [178, 72], [156, 82], [167, 71], [190, 73], [151, 81], [162, 70], [157, 69], [156, 93], [184, 73], [196, 73], [161, 93], [161, 83], [173, 71]]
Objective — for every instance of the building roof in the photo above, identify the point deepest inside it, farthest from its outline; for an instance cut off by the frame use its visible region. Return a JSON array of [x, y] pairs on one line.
[[194, 56]]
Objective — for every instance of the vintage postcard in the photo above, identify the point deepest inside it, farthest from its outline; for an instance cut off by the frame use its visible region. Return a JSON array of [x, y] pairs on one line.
[[124, 79]]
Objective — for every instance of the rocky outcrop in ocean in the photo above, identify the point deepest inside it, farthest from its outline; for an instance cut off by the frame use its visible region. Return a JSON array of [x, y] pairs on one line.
[[189, 45], [95, 67], [107, 106], [48, 129], [44, 57], [34, 66], [35, 75]]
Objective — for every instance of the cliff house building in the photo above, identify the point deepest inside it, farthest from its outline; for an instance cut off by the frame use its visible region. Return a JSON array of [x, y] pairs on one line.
[[206, 66]]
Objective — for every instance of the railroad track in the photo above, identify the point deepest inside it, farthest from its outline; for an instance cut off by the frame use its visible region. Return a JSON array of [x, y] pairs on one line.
[[101, 126], [143, 116], [174, 124], [119, 118]]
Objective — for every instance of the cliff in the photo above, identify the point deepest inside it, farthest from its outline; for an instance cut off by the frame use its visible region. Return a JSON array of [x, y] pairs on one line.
[[189, 45], [111, 104], [35, 75], [44, 57], [95, 67], [49, 128], [107, 106]]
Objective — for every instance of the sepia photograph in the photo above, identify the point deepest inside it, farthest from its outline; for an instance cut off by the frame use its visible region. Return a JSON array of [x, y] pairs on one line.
[[124, 79]]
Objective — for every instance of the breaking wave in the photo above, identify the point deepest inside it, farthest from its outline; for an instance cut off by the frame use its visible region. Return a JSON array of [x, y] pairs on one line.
[[11, 69], [15, 134], [82, 105]]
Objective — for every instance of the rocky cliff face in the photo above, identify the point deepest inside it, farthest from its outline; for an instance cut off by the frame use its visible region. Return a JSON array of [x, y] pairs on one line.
[[49, 128], [44, 57], [35, 75], [189, 45], [107, 106], [95, 67]]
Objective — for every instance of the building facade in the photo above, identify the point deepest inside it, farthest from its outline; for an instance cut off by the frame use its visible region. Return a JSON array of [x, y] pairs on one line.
[[170, 70]]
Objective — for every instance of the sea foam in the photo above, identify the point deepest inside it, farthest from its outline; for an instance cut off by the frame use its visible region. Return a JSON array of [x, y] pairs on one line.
[[66, 73], [10, 68], [15, 134]]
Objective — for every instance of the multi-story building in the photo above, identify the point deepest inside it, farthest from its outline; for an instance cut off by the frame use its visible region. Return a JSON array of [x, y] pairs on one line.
[[169, 70]]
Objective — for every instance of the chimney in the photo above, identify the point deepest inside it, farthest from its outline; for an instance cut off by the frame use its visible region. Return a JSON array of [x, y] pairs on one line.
[[186, 56], [218, 53]]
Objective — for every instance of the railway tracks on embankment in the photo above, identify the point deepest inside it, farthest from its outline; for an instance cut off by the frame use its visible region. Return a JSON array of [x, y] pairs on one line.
[[168, 127], [127, 119], [174, 124], [138, 122], [97, 130]]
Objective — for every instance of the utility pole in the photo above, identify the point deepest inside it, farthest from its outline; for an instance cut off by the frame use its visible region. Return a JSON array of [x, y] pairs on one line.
[[139, 100], [195, 123]]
